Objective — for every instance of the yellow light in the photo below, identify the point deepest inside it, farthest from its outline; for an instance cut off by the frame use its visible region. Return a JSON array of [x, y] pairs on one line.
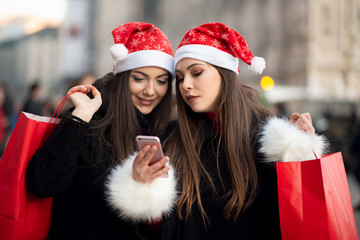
[[267, 83]]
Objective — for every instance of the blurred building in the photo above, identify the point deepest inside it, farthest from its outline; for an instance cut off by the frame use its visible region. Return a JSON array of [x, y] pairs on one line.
[[28, 58], [49, 53], [312, 44], [306, 43]]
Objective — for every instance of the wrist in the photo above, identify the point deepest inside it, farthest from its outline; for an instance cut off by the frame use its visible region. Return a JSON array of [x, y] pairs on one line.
[[81, 115]]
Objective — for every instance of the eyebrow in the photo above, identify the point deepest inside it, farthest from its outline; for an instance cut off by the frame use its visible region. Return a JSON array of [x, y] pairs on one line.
[[145, 75], [192, 65]]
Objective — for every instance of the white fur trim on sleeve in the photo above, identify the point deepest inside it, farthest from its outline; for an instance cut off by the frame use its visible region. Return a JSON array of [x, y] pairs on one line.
[[139, 202], [283, 141]]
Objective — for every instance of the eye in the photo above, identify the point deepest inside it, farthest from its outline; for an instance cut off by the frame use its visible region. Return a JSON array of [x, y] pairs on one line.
[[161, 81], [179, 79], [197, 73], [137, 79]]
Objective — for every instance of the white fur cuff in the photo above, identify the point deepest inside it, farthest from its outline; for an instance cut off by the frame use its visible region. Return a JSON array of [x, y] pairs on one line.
[[282, 141], [138, 202]]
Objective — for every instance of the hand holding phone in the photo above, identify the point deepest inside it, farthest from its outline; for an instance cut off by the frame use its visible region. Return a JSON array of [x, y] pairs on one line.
[[143, 140]]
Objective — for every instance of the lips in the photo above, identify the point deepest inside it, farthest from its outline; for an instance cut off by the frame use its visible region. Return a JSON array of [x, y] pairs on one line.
[[191, 98], [145, 101]]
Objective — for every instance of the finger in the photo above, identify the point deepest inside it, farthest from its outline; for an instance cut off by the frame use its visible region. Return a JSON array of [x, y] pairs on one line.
[[294, 117], [150, 154], [159, 164], [304, 120], [80, 88], [161, 172], [308, 128], [76, 89], [141, 154], [307, 116], [95, 92]]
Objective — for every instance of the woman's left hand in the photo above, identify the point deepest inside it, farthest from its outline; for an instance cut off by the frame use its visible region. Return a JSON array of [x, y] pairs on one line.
[[303, 122], [142, 171]]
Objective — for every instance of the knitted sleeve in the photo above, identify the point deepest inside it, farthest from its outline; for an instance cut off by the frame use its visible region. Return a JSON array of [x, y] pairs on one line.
[[52, 168]]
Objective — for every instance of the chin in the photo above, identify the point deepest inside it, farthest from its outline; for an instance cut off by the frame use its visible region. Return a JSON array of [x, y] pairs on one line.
[[199, 110], [146, 111]]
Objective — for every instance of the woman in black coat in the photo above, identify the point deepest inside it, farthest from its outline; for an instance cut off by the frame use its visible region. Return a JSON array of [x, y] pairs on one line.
[[227, 189], [74, 164]]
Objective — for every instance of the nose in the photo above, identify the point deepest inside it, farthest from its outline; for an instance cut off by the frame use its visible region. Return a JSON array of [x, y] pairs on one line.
[[149, 89], [186, 83]]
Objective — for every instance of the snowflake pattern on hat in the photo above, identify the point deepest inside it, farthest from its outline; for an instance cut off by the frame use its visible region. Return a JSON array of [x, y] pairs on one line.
[[139, 44], [215, 37], [141, 36]]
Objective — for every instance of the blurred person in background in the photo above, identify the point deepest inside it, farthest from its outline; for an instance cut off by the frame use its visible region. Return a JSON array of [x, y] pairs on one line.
[[5, 116], [354, 151], [228, 191], [33, 103], [99, 133], [83, 79]]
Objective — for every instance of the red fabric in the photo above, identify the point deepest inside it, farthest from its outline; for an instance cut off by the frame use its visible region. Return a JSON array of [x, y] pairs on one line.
[[22, 215], [219, 36], [155, 226], [314, 200], [137, 36], [211, 116]]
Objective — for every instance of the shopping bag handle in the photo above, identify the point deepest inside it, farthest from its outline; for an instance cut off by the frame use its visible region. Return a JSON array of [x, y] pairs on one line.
[[316, 155], [59, 108]]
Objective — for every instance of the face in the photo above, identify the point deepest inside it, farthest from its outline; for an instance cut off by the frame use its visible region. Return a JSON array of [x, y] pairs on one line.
[[199, 84], [148, 86]]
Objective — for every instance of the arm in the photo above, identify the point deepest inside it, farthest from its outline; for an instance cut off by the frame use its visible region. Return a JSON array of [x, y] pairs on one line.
[[53, 167], [135, 190], [294, 140]]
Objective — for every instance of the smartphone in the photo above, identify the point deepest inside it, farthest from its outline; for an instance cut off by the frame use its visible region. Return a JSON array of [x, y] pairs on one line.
[[143, 140]]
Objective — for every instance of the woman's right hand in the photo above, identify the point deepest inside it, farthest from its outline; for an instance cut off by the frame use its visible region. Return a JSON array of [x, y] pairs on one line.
[[142, 172], [85, 107]]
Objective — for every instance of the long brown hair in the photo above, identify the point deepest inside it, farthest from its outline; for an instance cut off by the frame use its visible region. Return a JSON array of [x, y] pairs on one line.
[[238, 114], [116, 123]]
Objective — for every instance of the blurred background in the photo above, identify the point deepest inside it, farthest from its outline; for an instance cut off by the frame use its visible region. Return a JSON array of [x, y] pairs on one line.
[[312, 50]]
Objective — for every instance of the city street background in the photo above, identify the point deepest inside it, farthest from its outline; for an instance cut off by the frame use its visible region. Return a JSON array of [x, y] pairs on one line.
[[311, 48]]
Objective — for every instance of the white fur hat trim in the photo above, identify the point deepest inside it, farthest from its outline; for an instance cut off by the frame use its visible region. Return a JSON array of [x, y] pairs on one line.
[[139, 202], [282, 141]]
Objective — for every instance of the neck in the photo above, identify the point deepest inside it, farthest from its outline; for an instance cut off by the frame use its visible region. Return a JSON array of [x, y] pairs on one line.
[[214, 122]]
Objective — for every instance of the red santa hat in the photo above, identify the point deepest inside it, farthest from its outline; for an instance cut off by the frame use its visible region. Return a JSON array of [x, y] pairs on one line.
[[219, 45], [139, 44]]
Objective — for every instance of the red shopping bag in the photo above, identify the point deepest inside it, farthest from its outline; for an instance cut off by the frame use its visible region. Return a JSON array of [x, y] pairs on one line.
[[23, 215], [314, 200]]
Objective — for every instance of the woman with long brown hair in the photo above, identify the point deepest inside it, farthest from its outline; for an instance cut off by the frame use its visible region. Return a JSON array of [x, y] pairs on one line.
[[227, 190], [99, 133]]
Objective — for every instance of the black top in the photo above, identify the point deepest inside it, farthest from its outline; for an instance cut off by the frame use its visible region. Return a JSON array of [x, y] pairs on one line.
[[70, 168], [259, 221]]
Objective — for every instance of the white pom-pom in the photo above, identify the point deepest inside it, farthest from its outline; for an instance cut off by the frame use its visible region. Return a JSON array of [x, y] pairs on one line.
[[118, 52], [257, 65]]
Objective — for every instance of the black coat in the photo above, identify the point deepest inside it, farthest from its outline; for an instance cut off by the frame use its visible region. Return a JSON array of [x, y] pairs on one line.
[[259, 221], [70, 168]]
